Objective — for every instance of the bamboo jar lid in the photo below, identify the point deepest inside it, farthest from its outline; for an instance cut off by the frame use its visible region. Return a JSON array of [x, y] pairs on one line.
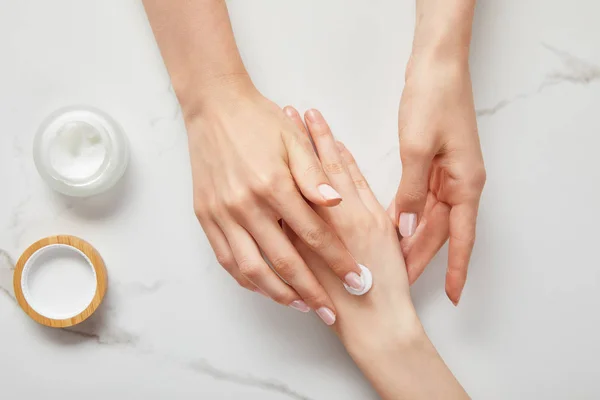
[[32, 261]]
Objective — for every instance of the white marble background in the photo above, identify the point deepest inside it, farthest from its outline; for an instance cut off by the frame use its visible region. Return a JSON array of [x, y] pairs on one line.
[[176, 326]]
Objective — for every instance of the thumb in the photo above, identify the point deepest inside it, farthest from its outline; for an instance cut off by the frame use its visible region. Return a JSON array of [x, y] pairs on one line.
[[412, 192], [305, 165]]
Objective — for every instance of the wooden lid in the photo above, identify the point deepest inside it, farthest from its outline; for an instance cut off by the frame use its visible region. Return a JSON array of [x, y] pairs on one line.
[[96, 262]]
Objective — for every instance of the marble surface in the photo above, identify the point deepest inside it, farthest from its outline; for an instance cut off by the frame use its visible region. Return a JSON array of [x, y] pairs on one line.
[[174, 325]]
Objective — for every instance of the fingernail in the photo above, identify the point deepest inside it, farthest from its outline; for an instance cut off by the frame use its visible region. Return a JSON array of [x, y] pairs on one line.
[[314, 116], [357, 285], [300, 306], [288, 111], [407, 224], [355, 281], [326, 315], [259, 291], [328, 192]]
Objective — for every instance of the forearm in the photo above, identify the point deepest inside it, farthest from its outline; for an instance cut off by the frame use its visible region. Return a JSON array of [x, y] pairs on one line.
[[197, 44], [443, 29], [410, 368]]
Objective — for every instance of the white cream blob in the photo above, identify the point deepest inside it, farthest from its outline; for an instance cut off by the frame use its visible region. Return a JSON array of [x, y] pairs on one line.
[[77, 151], [367, 278], [58, 281]]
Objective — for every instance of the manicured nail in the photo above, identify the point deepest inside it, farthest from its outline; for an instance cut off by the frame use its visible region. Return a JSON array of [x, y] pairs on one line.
[[326, 315], [407, 224], [314, 116], [355, 281], [328, 192], [358, 285], [289, 112], [300, 306], [259, 291]]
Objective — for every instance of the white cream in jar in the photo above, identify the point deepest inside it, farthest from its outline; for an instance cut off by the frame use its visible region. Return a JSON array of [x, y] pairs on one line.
[[80, 151]]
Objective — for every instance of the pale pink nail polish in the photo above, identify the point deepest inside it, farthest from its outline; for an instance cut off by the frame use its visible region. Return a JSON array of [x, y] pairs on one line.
[[326, 315], [314, 116], [300, 306], [355, 281], [407, 224], [288, 111], [328, 192]]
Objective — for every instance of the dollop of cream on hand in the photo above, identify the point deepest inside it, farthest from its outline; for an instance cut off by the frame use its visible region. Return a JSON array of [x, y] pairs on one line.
[[367, 278], [77, 151]]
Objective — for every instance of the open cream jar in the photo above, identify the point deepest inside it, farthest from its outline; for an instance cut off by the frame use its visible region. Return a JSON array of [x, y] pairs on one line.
[[80, 151]]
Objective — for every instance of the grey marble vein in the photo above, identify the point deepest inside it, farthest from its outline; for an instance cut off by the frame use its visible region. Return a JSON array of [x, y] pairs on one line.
[[138, 288], [171, 118], [15, 223], [103, 335], [574, 71], [203, 367], [7, 267]]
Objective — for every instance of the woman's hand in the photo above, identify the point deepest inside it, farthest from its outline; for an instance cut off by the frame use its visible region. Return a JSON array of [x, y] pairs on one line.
[[380, 329], [368, 233], [442, 168], [252, 166]]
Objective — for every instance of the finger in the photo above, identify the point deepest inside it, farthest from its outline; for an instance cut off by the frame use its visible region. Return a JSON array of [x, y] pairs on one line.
[[306, 168], [463, 219], [391, 212], [321, 271], [430, 236], [329, 155], [293, 114], [318, 236], [255, 269], [288, 264], [224, 255], [360, 183], [412, 192]]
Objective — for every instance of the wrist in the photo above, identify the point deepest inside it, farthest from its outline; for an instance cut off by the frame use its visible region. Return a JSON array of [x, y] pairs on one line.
[[379, 344], [431, 66], [198, 98], [443, 30]]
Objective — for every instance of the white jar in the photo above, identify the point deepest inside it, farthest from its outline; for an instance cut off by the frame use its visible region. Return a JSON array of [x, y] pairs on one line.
[[80, 151]]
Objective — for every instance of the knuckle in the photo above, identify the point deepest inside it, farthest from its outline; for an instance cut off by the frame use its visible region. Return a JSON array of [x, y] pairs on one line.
[[415, 195], [479, 177], [238, 201], [285, 267], [225, 260], [200, 210], [245, 284], [315, 298], [415, 150], [361, 183], [313, 169], [281, 297], [317, 238], [268, 186], [264, 183], [333, 168], [341, 266], [251, 269]]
